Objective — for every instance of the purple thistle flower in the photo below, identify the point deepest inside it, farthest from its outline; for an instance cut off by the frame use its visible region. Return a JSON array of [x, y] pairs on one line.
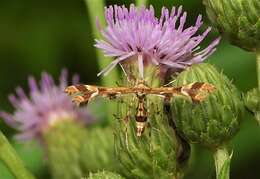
[[45, 105], [138, 33]]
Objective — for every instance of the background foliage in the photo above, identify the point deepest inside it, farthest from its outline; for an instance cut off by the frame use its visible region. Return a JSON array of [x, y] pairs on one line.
[[49, 35]]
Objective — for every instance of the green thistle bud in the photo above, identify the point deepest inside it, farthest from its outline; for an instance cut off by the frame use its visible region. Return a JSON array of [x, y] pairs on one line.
[[63, 142], [105, 175], [252, 102], [213, 121], [98, 150], [237, 20], [152, 155]]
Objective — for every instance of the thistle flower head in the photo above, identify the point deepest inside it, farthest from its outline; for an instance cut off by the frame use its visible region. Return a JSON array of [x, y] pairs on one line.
[[163, 42], [44, 106]]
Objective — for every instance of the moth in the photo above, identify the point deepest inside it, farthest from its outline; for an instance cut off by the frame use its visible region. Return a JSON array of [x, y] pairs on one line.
[[82, 94]]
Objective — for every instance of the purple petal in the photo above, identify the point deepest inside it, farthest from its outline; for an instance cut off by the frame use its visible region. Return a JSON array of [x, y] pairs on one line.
[[138, 31]]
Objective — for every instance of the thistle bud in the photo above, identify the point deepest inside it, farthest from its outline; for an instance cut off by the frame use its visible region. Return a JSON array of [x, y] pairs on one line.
[[154, 153], [252, 102], [238, 21], [105, 174], [98, 150], [63, 144], [214, 120]]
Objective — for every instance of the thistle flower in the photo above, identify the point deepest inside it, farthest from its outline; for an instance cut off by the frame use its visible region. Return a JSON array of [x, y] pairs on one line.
[[45, 105], [138, 35]]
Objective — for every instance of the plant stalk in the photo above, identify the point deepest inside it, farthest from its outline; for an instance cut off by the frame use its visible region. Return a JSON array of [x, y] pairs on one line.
[[222, 160], [140, 3], [11, 159], [258, 67], [96, 10], [257, 116]]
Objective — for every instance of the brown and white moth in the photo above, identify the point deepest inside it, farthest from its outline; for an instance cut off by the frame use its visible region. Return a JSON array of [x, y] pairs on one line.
[[82, 94]]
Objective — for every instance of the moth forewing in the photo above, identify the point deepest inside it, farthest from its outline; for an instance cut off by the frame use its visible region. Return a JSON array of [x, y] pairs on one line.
[[71, 90], [82, 94]]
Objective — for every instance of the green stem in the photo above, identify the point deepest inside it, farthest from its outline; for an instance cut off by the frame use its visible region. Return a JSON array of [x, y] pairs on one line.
[[96, 10], [258, 67], [222, 160], [257, 116], [141, 2], [11, 159]]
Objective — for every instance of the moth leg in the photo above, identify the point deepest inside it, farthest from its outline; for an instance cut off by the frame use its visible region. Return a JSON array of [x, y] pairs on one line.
[[168, 84], [149, 128], [127, 119], [79, 100], [126, 122]]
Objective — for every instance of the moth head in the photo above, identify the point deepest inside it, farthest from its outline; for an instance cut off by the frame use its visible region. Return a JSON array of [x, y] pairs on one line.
[[203, 91]]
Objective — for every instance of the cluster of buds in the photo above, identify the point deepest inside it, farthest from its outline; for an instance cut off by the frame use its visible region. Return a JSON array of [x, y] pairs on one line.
[[140, 42], [150, 49], [239, 22]]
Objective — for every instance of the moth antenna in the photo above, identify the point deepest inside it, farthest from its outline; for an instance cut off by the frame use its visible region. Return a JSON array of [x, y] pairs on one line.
[[161, 96], [169, 83], [127, 77]]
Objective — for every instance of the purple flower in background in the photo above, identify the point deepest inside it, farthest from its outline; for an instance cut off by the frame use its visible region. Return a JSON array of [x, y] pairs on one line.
[[45, 105], [160, 41]]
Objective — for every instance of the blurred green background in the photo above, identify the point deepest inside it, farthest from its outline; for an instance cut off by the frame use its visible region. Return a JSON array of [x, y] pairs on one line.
[[45, 35]]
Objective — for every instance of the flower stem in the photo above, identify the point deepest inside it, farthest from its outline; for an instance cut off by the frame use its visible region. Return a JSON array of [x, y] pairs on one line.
[[258, 67], [222, 160], [11, 159], [96, 10], [141, 2], [257, 116]]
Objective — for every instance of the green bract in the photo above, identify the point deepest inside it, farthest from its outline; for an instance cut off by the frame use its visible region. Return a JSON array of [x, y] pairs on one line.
[[238, 20], [213, 121], [98, 150], [252, 102], [104, 175], [153, 155], [63, 143]]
